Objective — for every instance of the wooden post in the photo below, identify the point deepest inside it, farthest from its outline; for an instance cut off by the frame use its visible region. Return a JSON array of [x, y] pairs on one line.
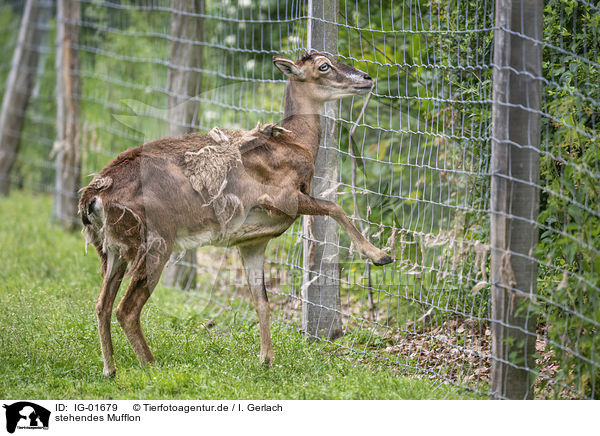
[[515, 197], [68, 120], [321, 294], [20, 84], [184, 84]]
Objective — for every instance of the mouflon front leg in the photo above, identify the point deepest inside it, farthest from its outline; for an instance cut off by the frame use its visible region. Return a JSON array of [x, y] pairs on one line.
[[306, 205], [253, 259]]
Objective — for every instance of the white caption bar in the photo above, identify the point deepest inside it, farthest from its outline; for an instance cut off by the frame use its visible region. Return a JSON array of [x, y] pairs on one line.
[[127, 417]]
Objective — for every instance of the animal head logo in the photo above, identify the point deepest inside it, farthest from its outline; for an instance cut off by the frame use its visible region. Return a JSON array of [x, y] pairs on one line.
[[26, 415]]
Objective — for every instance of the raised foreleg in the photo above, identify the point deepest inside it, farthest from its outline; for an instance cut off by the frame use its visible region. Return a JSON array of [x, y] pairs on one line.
[[307, 205]]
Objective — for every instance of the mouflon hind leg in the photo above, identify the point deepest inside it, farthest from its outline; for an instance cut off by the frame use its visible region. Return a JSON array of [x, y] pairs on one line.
[[115, 270], [144, 276]]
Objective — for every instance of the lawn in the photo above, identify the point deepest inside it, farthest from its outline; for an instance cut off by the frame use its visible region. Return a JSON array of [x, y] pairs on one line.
[[49, 348]]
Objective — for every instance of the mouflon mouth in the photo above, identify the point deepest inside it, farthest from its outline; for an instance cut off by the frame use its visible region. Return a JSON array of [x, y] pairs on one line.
[[363, 89]]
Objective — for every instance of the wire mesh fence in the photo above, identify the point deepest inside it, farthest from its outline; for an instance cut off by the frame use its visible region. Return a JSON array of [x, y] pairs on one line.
[[415, 172]]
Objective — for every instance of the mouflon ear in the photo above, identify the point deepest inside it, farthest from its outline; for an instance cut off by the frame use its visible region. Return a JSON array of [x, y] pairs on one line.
[[288, 67]]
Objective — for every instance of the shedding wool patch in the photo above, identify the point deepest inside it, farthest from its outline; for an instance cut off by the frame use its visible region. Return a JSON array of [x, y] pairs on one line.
[[100, 182], [208, 167]]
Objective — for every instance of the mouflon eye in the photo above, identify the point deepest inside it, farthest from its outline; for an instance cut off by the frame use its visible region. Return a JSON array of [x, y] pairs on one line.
[[324, 67]]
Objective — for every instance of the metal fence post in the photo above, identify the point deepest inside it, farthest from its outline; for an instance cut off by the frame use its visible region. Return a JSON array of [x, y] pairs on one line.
[[68, 115], [515, 193], [19, 84], [321, 295]]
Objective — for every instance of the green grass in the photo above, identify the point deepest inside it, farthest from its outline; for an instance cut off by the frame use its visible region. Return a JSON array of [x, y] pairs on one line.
[[49, 346]]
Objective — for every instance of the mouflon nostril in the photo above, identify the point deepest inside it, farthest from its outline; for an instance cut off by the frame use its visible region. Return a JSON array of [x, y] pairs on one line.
[[367, 77]]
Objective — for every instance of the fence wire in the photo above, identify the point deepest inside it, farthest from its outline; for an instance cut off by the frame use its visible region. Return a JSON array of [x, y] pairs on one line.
[[414, 176]]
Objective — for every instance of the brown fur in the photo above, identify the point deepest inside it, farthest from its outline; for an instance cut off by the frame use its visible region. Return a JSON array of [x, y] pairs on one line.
[[153, 197]]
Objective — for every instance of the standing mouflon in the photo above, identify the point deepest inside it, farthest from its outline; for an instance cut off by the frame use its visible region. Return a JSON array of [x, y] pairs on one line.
[[222, 188]]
